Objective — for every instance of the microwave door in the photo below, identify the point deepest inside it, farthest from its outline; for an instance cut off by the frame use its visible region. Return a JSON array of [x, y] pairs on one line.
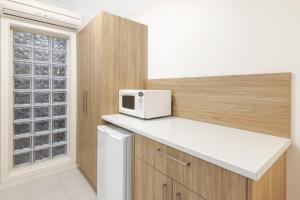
[[128, 102]]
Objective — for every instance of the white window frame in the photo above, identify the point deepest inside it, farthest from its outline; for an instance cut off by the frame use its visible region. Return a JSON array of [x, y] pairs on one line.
[[8, 175]]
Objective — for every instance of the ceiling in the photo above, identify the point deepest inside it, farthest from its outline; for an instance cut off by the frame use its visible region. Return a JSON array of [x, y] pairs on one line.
[[89, 8]]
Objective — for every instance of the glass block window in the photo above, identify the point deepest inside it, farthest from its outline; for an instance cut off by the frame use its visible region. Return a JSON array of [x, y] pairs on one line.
[[39, 97]]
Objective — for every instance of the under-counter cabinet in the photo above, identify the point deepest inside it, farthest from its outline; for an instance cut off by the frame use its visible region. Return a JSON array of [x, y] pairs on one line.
[[112, 55], [164, 173], [150, 183], [182, 193]]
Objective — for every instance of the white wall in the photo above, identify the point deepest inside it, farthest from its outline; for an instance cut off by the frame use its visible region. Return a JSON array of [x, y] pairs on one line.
[[216, 37]]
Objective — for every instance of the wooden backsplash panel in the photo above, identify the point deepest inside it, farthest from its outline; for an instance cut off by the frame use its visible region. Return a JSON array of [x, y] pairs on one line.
[[260, 103]]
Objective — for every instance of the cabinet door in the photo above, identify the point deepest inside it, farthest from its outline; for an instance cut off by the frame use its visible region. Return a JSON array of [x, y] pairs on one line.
[[181, 193], [151, 184], [110, 49], [83, 133], [92, 98]]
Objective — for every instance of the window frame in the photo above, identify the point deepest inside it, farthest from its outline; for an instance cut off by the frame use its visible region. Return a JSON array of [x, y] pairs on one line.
[[8, 174]]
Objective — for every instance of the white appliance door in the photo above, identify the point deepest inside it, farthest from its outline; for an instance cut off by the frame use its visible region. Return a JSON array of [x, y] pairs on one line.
[[112, 163]]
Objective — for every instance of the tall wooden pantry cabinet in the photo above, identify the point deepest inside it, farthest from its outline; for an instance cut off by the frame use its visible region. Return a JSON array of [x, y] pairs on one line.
[[112, 55]]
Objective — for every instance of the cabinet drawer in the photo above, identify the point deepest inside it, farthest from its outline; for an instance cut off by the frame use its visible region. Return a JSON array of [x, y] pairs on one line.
[[207, 180], [150, 184], [182, 193]]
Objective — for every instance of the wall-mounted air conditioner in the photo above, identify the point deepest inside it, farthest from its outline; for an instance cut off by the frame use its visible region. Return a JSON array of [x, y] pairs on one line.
[[40, 12]]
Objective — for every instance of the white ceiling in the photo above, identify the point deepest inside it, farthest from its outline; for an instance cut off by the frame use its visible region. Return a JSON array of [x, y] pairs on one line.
[[90, 8]]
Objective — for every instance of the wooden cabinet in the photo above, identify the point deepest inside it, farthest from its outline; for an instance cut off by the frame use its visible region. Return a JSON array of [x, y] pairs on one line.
[[205, 179], [112, 55], [194, 179], [182, 193], [272, 186], [150, 184], [83, 133]]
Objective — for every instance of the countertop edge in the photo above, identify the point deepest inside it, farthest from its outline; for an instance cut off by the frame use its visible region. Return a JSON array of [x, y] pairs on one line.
[[272, 161], [255, 176]]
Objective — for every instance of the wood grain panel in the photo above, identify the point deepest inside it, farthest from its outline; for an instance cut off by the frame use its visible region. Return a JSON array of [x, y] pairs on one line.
[[272, 186], [234, 186], [85, 45], [207, 180], [124, 56], [92, 108], [182, 193], [88, 42], [150, 184], [260, 103], [112, 55]]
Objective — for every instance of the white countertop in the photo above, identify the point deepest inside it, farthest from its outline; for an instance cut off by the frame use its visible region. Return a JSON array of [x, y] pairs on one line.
[[244, 152]]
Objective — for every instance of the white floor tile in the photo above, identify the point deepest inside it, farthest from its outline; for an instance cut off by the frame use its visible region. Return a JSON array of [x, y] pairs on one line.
[[38, 198], [32, 189], [77, 188], [65, 186], [87, 196], [59, 194], [74, 183], [71, 176]]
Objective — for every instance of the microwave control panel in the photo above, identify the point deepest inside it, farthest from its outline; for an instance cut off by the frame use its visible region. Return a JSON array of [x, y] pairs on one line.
[[141, 101]]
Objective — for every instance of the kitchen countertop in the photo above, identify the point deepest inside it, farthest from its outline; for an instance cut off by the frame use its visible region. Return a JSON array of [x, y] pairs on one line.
[[247, 153]]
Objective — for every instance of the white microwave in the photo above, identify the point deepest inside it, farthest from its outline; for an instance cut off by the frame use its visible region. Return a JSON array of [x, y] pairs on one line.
[[145, 104]]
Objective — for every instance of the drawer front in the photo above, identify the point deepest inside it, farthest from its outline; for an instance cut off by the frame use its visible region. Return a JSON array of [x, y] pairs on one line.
[[150, 184], [207, 180], [182, 193]]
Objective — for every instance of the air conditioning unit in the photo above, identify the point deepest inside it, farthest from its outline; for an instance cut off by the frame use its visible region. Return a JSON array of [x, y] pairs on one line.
[[40, 12]]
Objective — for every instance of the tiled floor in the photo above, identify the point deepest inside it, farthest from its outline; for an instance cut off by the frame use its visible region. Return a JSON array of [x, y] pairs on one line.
[[69, 185]]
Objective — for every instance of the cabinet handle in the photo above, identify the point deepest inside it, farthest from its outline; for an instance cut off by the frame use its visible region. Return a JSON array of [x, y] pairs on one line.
[[83, 102], [186, 164], [86, 102], [178, 196], [164, 191]]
